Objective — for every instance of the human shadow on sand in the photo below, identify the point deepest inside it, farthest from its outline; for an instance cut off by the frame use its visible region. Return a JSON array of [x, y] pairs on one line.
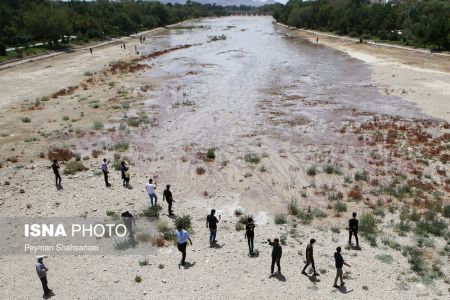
[[278, 276], [313, 279], [216, 246], [343, 289], [187, 265]]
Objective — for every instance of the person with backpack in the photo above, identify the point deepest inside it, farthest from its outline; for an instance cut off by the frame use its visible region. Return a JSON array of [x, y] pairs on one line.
[[339, 263], [250, 234], [353, 225], [277, 251], [127, 177], [310, 258]]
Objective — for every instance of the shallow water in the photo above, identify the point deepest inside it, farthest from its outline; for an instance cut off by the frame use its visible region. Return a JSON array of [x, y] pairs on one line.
[[261, 80]]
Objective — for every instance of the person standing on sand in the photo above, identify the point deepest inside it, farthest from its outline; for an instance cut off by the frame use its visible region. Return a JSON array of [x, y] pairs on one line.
[[310, 258], [55, 168], [182, 237], [250, 234], [41, 271], [339, 262], [277, 251], [211, 223], [353, 224], [167, 196], [151, 191], [123, 168], [90, 50], [105, 171], [127, 177], [129, 222]]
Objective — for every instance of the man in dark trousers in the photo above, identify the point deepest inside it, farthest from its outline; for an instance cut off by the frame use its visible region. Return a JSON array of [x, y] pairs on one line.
[[55, 168], [129, 222], [41, 270], [182, 237], [277, 251], [211, 223], [339, 264], [167, 196], [105, 171], [310, 258], [250, 234], [353, 224]]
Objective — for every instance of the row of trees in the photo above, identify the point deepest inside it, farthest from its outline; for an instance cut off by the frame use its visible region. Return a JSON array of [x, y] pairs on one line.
[[414, 22], [25, 21]]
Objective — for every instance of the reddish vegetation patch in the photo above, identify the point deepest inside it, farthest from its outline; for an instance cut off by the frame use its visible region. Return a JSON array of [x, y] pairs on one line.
[[60, 154], [355, 193], [64, 92]]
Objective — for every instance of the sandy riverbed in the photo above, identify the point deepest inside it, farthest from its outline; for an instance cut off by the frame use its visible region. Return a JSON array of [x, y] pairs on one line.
[[218, 94]]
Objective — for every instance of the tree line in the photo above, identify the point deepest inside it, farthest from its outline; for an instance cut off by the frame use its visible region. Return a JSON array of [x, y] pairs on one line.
[[422, 23], [23, 22]]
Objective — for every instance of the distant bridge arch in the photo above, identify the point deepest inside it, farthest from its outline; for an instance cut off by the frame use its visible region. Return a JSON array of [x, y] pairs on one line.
[[249, 13]]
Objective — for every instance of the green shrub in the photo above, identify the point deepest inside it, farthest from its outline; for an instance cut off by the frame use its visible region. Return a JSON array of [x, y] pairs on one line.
[[403, 227], [163, 227], [243, 219], [431, 223], [133, 122], [388, 241], [364, 176], [416, 259], [252, 158], [121, 146], [97, 125], [152, 211], [74, 167], [239, 226], [311, 171], [305, 216], [368, 225], [185, 222], [318, 213], [446, 211], [238, 212], [66, 118], [280, 219], [340, 207], [379, 211], [293, 208], [335, 230], [211, 153], [26, 120], [332, 169]]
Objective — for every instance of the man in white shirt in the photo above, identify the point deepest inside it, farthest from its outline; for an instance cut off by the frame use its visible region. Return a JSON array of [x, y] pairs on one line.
[[151, 191], [182, 237]]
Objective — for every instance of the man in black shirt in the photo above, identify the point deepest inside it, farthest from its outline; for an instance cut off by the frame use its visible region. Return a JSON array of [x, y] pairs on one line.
[[55, 168], [211, 223], [339, 264], [167, 196], [250, 234], [353, 229], [277, 251], [310, 258]]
